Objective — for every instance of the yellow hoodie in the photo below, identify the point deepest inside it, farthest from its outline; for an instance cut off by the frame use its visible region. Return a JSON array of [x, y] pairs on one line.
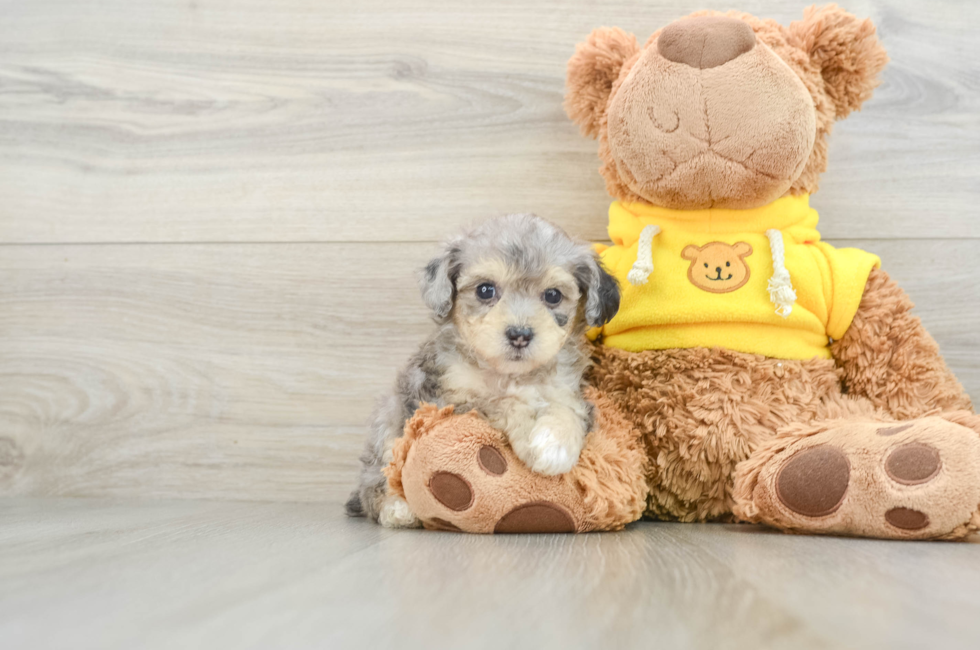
[[757, 281]]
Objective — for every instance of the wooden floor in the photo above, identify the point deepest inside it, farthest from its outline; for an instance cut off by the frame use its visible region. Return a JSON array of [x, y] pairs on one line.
[[204, 574]]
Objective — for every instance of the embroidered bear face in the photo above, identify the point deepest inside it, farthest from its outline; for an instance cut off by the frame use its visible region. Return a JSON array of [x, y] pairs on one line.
[[718, 267]]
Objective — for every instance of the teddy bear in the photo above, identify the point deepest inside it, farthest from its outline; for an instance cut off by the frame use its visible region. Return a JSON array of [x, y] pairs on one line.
[[754, 373]]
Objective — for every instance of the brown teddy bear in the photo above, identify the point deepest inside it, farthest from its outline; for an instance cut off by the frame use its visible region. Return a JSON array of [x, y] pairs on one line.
[[753, 371]]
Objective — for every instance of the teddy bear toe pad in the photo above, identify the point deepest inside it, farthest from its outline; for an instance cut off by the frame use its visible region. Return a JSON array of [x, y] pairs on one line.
[[918, 480], [451, 490], [913, 463], [907, 519], [492, 461]]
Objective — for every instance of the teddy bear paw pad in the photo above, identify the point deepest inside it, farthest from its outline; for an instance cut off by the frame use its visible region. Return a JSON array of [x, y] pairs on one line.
[[537, 517], [436, 523], [913, 464], [907, 519], [451, 490], [491, 461], [814, 481]]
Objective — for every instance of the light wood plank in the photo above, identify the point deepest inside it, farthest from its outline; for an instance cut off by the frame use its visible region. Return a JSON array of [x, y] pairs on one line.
[[90, 574], [300, 120], [247, 371]]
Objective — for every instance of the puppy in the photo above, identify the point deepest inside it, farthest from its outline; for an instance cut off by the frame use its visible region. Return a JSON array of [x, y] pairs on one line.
[[512, 299]]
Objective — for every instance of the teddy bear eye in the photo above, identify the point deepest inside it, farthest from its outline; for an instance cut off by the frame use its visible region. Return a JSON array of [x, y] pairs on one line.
[[705, 265], [728, 263]]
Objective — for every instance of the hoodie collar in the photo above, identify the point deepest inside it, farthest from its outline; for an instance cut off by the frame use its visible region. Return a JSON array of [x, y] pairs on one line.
[[627, 220]]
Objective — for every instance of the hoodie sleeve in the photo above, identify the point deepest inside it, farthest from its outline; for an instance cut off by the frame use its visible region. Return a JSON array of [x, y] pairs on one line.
[[849, 269]]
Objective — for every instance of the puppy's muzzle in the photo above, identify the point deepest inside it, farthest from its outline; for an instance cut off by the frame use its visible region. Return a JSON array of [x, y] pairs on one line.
[[519, 337]]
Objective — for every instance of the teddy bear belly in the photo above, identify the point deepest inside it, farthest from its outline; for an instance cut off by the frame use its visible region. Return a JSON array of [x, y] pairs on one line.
[[702, 411]]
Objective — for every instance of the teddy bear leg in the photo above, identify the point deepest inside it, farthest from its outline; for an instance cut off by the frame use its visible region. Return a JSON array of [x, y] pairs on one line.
[[918, 479], [457, 473]]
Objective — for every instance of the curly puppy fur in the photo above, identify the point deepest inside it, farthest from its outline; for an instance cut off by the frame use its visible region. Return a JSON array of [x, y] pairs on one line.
[[512, 299]]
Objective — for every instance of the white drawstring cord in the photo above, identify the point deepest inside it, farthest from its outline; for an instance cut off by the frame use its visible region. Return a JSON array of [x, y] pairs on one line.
[[643, 266], [781, 291]]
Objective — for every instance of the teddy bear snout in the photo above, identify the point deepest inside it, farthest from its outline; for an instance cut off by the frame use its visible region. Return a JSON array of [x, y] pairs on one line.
[[705, 41]]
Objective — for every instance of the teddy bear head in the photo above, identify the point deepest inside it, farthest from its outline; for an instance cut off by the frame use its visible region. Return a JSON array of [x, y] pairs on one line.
[[721, 110]]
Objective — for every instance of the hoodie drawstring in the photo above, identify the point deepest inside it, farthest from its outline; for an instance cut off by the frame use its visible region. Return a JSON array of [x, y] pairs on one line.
[[643, 266], [780, 287]]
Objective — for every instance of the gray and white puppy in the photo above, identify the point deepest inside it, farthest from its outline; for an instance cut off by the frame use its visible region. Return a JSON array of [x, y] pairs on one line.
[[512, 299]]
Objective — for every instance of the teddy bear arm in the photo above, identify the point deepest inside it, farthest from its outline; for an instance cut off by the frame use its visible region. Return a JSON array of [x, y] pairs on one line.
[[888, 357]]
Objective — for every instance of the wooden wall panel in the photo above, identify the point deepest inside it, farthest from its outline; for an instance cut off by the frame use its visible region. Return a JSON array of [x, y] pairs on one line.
[[304, 120]]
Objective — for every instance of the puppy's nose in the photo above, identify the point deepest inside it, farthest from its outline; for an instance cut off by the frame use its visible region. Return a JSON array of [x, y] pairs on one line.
[[718, 268], [519, 337], [706, 41]]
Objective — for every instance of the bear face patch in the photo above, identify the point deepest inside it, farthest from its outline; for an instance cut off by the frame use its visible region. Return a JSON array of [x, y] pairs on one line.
[[718, 267]]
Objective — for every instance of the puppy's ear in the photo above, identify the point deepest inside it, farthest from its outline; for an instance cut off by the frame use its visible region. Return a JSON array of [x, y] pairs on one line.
[[847, 51], [592, 70], [438, 282], [600, 289]]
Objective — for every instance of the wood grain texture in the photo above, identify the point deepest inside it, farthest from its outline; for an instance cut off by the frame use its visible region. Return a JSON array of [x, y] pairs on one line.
[[305, 120], [244, 370], [199, 574], [248, 370]]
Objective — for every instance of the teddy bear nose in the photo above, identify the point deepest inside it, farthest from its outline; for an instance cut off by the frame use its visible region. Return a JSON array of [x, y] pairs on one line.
[[705, 41]]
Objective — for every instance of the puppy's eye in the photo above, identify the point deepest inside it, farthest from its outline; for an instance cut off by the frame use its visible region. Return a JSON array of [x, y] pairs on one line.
[[552, 296], [728, 263], [486, 291], [705, 265]]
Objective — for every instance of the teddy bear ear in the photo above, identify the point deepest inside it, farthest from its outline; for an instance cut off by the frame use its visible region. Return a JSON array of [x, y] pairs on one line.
[[742, 249], [592, 70], [847, 51]]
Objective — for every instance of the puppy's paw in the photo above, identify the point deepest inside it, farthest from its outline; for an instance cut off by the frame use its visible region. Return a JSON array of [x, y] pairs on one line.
[[395, 513], [551, 454]]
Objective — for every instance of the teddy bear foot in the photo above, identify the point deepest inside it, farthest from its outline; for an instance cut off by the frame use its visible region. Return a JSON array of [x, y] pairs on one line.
[[458, 473], [906, 480], [463, 476]]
